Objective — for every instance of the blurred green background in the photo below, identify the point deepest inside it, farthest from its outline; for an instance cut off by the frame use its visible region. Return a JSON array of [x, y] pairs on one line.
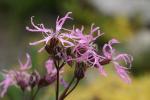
[[126, 20]]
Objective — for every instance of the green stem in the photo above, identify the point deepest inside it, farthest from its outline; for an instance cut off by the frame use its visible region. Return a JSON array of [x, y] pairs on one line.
[[33, 97], [62, 65], [72, 88], [24, 95], [66, 89]]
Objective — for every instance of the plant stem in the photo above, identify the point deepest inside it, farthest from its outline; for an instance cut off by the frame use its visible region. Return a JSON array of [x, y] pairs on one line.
[[73, 88], [31, 95], [67, 88], [57, 84], [33, 98], [24, 95], [62, 65]]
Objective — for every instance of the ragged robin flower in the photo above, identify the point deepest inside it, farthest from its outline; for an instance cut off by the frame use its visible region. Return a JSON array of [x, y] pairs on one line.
[[52, 36], [18, 77], [110, 55], [85, 50], [51, 75]]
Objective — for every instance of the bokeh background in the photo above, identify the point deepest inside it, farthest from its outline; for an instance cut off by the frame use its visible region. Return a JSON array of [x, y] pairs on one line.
[[126, 20]]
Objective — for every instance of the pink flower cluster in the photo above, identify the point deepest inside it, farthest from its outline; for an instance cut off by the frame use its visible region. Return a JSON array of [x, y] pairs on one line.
[[67, 46], [82, 45]]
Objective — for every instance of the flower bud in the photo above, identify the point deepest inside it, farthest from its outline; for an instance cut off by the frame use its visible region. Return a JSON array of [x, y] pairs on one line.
[[42, 82], [80, 70], [58, 53], [46, 80], [69, 60], [34, 79], [23, 84], [53, 43], [22, 80]]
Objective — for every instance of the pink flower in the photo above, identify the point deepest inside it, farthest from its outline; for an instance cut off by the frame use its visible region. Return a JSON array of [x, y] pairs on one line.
[[90, 57], [50, 67], [16, 77], [85, 51], [108, 50], [52, 73], [109, 53], [48, 34]]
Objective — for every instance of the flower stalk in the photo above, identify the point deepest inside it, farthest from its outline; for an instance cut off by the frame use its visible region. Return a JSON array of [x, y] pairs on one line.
[[63, 95]]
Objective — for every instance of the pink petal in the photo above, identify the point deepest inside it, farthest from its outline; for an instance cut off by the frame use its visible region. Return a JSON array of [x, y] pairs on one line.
[[107, 51], [101, 70], [121, 71], [63, 82], [50, 68], [126, 58], [38, 42], [40, 28], [66, 43], [28, 62], [27, 65], [5, 85], [113, 41], [61, 21]]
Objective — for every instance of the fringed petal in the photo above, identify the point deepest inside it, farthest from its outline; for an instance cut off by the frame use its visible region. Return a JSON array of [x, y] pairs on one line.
[[126, 58], [107, 51], [27, 65], [39, 28], [61, 21], [121, 71]]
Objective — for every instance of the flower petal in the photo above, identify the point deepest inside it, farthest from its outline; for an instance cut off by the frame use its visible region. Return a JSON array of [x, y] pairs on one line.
[[39, 28], [101, 70], [126, 58], [113, 41], [50, 68], [27, 65], [61, 21], [121, 71], [63, 82], [107, 51], [8, 81]]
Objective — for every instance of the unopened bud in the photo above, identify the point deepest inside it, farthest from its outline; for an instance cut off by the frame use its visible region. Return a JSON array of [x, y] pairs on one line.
[[53, 43], [34, 79], [80, 70], [46, 80], [23, 84]]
